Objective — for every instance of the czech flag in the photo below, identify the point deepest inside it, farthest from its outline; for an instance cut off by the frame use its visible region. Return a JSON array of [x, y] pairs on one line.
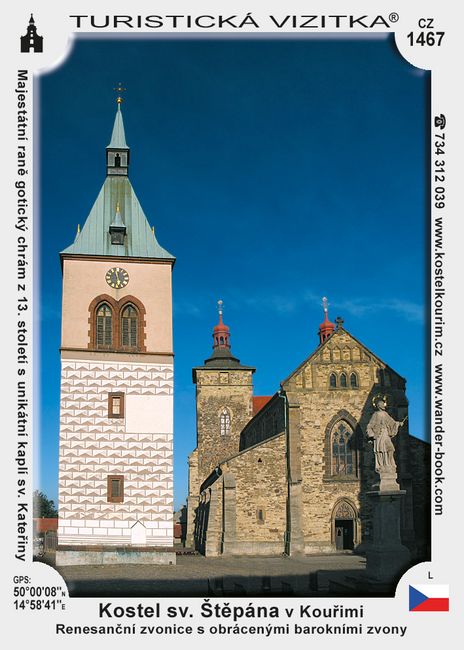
[[428, 598]]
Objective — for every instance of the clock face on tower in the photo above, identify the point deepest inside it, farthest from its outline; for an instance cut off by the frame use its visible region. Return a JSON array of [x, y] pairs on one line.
[[117, 278]]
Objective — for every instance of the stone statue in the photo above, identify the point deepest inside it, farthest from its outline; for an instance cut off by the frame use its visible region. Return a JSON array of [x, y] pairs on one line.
[[381, 429]]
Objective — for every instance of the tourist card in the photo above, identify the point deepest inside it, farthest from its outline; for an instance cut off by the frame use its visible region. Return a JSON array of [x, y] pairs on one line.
[[232, 246]]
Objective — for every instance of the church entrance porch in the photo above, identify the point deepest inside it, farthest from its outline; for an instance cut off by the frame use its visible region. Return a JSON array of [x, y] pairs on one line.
[[344, 540], [345, 526]]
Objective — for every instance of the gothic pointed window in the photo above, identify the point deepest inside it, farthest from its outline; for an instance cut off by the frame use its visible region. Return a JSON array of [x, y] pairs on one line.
[[343, 380], [104, 326], [353, 380], [343, 453], [333, 380], [129, 327], [224, 422]]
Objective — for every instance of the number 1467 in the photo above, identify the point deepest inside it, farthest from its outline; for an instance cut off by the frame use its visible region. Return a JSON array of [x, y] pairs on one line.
[[425, 38]]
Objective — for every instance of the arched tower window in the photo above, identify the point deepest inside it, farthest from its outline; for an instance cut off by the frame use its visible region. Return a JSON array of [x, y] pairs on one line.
[[129, 327], [104, 326], [224, 421], [343, 380], [117, 324], [343, 454], [333, 380], [353, 380]]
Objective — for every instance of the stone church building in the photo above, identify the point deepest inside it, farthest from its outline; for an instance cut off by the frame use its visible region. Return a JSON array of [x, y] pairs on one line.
[[289, 473]]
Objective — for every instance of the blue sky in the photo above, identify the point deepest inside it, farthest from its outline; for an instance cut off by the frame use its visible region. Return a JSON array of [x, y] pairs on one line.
[[277, 172]]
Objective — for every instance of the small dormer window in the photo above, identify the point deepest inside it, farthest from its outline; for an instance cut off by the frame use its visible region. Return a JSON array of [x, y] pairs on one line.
[[117, 228], [117, 234]]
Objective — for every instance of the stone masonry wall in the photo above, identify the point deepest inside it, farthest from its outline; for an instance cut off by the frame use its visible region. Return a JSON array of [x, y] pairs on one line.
[[420, 470], [320, 408], [260, 475], [217, 389]]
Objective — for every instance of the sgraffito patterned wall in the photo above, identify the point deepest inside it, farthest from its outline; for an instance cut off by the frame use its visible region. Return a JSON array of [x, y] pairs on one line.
[[93, 446]]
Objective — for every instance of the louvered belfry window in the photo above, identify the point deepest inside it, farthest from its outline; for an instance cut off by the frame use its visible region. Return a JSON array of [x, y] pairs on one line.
[[104, 326], [129, 327]]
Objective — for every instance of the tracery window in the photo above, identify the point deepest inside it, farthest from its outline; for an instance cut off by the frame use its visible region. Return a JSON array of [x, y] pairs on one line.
[[343, 380], [333, 380], [343, 454], [129, 327], [224, 422], [104, 326], [353, 380]]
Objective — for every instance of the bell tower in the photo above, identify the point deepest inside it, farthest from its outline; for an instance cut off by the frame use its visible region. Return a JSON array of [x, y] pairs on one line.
[[224, 405], [224, 399], [116, 410]]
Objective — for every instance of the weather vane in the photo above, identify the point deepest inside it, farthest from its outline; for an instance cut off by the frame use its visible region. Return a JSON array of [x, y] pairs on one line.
[[119, 90], [325, 304], [220, 304]]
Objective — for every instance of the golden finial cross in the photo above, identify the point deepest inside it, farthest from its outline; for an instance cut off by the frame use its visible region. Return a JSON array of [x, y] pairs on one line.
[[119, 90]]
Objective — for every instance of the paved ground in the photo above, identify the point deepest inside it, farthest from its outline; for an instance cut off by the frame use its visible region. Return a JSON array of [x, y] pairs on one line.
[[200, 576]]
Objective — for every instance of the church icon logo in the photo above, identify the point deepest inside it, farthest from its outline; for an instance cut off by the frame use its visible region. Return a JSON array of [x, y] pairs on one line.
[[31, 40]]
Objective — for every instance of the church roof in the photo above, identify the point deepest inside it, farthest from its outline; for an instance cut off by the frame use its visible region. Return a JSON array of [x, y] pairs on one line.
[[117, 195], [94, 237], [260, 401], [118, 137], [222, 357]]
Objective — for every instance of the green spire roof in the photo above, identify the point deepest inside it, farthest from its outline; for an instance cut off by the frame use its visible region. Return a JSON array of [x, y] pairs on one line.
[[117, 202], [118, 137]]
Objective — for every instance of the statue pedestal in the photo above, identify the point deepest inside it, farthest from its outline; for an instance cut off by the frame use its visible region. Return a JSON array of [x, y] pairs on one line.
[[387, 558], [388, 482]]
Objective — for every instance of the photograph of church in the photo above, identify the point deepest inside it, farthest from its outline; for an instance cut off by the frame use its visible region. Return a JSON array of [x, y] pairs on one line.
[[303, 434]]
